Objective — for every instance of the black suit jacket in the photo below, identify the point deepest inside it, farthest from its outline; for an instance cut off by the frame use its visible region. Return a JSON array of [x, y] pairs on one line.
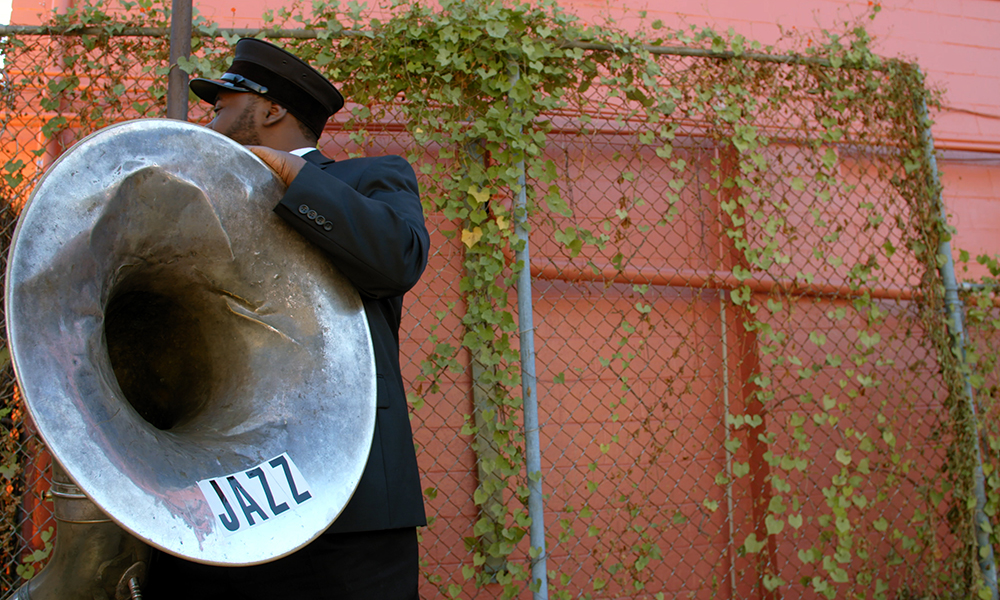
[[365, 214]]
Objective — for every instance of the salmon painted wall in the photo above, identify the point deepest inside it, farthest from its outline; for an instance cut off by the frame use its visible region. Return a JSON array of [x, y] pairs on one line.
[[955, 41]]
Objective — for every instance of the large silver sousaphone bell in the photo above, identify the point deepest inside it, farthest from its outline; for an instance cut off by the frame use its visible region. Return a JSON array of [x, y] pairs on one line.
[[200, 371]]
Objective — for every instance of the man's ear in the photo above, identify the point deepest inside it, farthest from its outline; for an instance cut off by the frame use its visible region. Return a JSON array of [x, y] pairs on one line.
[[275, 113]]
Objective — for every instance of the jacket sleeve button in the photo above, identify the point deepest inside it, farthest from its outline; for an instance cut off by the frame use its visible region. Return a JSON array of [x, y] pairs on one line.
[[320, 219], [303, 209], [312, 215], [328, 226]]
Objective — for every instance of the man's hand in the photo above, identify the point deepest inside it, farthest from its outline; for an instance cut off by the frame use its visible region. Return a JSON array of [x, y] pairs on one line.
[[285, 165]]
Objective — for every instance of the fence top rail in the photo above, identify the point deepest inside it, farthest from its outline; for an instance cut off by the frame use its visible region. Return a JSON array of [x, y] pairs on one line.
[[305, 34]]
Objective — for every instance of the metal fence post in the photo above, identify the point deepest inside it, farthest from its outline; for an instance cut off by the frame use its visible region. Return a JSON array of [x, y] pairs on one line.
[[526, 326], [180, 45], [484, 398], [987, 561]]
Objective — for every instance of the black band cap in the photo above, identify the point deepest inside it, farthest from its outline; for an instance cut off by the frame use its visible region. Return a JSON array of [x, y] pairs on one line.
[[289, 80]]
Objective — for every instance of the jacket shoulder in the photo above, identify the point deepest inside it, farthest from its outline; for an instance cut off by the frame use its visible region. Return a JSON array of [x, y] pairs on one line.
[[361, 163], [390, 168]]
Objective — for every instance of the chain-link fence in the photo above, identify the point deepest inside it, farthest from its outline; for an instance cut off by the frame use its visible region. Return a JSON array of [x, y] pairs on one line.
[[739, 327], [732, 430]]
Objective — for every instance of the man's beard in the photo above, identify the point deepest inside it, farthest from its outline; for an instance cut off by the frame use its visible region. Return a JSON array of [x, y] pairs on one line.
[[244, 130]]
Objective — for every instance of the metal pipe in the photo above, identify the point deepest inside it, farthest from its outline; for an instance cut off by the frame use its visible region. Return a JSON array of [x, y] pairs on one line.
[[987, 561], [759, 283], [221, 32], [533, 454], [180, 46], [795, 59], [730, 511]]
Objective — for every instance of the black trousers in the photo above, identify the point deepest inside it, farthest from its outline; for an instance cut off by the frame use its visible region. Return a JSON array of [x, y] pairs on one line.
[[374, 565]]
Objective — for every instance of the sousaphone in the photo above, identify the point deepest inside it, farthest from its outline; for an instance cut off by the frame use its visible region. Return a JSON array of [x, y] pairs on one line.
[[201, 372]]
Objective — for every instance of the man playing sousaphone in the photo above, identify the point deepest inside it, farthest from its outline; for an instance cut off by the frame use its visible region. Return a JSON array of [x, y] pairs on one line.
[[365, 214]]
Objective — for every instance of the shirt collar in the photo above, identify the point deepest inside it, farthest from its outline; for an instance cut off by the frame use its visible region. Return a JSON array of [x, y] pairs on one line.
[[302, 151]]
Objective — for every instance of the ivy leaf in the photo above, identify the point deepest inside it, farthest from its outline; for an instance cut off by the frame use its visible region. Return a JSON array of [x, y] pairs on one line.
[[889, 438], [482, 526], [774, 525], [556, 203], [469, 238], [752, 545], [497, 29], [772, 582], [741, 274], [829, 158], [480, 196], [637, 96], [570, 239]]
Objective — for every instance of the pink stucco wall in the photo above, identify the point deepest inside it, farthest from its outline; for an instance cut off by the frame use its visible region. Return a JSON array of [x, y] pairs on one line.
[[955, 41]]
